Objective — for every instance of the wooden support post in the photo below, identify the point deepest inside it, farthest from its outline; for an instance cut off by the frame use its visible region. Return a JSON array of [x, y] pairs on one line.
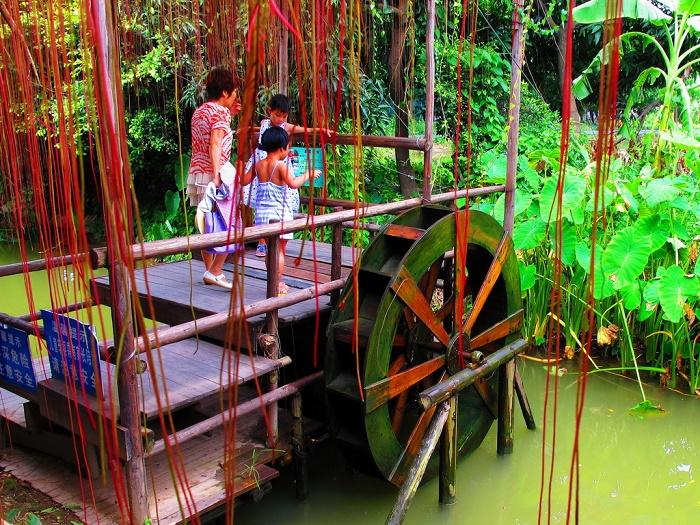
[[448, 456], [272, 318], [415, 473], [506, 374], [299, 449], [118, 217], [429, 101], [336, 256], [283, 54], [518, 51], [524, 403]]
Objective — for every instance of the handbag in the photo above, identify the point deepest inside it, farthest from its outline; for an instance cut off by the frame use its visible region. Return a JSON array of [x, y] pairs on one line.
[[214, 223]]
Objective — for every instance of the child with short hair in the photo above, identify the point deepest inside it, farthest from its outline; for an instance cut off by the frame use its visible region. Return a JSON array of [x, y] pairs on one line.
[[275, 176], [277, 112]]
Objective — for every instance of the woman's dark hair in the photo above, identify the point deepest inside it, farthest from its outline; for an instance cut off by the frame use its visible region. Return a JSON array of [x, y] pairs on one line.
[[279, 102], [273, 139], [220, 79]]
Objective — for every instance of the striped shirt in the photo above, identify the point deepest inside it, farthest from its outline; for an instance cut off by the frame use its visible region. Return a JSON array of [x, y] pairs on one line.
[[206, 118]]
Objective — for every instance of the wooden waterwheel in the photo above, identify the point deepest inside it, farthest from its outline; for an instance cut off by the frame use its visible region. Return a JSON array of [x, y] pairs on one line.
[[407, 332]]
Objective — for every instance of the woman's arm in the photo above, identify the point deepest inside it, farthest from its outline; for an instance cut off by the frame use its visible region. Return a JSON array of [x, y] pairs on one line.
[[216, 138]]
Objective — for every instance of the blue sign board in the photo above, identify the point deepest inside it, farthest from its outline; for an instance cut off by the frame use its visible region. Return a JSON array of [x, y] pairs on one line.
[[302, 159], [16, 358], [72, 349]]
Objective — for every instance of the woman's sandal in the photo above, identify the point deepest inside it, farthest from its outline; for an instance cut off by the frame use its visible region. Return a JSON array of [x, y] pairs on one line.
[[282, 289]]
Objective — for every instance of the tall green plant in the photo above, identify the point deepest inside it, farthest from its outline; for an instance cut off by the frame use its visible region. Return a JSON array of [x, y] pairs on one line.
[[677, 57]]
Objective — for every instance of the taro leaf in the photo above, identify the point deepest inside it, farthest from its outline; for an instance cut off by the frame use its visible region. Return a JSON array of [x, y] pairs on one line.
[[631, 296], [680, 139], [522, 203], [626, 256], [483, 206], [496, 172], [629, 199], [172, 203], [656, 228], [572, 199], [657, 191], [674, 289], [182, 166], [651, 291], [692, 7], [676, 243], [645, 409], [528, 172], [602, 285], [529, 234], [527, 276], [697, 267], [568, 248]]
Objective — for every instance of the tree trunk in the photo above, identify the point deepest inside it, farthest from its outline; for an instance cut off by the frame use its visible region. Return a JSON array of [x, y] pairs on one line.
[[407, 176]]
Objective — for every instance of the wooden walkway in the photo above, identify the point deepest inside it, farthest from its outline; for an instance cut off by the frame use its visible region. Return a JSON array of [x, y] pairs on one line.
[[177, 292], [191, 378]]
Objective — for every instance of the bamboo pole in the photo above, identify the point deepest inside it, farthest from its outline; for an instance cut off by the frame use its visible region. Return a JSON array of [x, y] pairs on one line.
[[272, 322], [429, 101], [283, 55], [301, 471], [118, 220], [462, 379], [506, 374], [448, 456], [518, 52], [336, 257], [415, 473], [42, 264], [148, 250]]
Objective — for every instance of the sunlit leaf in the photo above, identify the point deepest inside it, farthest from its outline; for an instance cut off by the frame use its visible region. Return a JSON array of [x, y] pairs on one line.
[[522, 203], [572, 199], [657, 191], [529, 234], [674, 289], [527, 276], [596, 11], [626, 256], [602, 285], [656, 228], [631, 296], [645, 409]]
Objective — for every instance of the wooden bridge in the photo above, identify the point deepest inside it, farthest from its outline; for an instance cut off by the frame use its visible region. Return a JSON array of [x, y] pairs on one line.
[[194, 379]]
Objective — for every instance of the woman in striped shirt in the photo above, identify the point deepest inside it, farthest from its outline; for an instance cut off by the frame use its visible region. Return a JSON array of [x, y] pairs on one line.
[[212, 138]]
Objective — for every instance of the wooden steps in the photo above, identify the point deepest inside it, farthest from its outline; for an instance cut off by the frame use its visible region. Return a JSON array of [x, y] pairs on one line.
[[201, 458]]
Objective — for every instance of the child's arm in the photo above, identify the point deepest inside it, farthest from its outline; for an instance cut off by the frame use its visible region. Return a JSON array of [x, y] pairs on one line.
[[296, 182], [248, 176], [294, 129]]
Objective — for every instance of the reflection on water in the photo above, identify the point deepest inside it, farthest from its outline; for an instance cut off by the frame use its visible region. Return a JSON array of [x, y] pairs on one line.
[[633, 471]]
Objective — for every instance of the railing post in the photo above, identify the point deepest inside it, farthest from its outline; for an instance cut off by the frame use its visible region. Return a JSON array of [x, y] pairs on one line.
[[336, 256], [299, 449], [429, 102], [448, 456], [273, 247], [506, 374]]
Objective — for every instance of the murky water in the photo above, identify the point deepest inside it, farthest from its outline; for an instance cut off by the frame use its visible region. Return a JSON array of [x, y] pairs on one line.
[[632, 471]]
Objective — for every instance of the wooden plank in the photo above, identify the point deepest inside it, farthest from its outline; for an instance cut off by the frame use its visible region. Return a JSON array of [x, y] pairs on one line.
[[379, 393], [501, 329], [404, 232], [407, 289], [490, 279]]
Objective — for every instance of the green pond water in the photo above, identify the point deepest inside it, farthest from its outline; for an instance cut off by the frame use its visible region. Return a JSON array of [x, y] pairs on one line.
[[632, 470]]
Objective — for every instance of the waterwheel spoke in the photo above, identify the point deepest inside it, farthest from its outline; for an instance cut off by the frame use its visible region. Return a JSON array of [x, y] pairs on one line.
[[492, 276], [409, 292], [508, 326], [379, 393], [413, 445]]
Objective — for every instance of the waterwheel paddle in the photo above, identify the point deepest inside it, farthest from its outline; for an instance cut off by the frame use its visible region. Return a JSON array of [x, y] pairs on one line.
[[409, 331]]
